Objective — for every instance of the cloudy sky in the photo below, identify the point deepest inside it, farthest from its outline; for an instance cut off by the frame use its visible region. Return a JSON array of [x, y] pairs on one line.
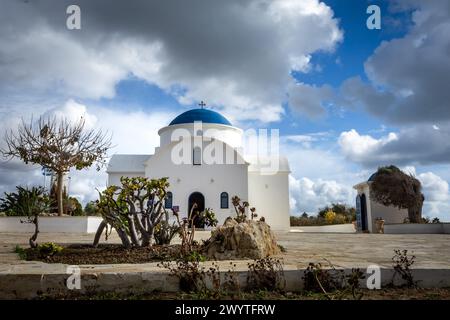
[[346, 99]]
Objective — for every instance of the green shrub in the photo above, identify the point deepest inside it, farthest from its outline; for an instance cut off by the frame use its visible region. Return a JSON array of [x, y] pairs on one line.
[[307, 221], [21, 252], [48, 249], [208, 218], [91, 209], [436, 220], [73, 207], [340, 209], [165, 232], [25, 202], [195, 256], [339, 219]]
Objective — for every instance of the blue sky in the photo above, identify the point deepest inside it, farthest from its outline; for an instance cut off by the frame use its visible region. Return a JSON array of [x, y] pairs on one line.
[[346, 61], [346, 99]]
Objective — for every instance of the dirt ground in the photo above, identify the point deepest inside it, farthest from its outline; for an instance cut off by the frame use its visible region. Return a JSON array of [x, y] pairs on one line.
[[382, 294]]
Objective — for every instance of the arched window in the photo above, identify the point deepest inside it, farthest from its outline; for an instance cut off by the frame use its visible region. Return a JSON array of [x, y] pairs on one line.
[[168, 201], [224, 200], [197, 156]]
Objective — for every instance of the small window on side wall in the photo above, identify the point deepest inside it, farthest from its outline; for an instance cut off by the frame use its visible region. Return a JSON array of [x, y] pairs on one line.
[[224, 200], [168, 201], [197, 156]]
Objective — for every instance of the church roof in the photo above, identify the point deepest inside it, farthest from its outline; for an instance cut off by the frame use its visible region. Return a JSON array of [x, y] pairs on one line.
[[130, 163], [203, 115]]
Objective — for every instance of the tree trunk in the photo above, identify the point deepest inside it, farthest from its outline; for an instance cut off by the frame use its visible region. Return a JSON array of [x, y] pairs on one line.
[[99, 232], [32, 241], [133, 234], [415, 215], [123, 236], [59, 193]]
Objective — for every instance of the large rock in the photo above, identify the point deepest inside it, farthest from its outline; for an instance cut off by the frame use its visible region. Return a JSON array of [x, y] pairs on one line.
[[250, 239]]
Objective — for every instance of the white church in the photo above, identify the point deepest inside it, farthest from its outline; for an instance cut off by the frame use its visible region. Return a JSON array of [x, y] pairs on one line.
[[202, 154]]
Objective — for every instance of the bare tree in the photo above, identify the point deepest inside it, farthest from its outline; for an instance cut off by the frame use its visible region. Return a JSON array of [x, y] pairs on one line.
[[58, 145], [391, 186]]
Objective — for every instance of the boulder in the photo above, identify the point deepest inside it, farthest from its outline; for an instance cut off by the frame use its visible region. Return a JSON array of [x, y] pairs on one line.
[[249, 239]]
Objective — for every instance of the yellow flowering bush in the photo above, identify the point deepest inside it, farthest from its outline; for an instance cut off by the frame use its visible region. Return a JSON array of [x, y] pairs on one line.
[[330, 216]]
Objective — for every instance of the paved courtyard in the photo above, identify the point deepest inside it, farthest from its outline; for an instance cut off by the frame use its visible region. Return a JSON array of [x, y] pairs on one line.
[[27, 279], [346, 250]]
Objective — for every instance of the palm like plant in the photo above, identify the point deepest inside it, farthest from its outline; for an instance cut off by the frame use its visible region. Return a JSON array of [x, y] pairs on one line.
[[29, 203]]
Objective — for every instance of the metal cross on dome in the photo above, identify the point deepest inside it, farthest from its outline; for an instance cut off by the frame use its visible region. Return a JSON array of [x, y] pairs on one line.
[[202, 104]]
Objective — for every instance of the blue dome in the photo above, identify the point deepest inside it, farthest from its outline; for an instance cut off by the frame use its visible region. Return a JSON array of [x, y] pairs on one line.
[[203, 115]]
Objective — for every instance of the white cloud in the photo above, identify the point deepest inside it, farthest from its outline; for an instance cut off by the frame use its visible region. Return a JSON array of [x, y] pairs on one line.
[[310, 100], [420, 144], [437, 196], [73, 112], [434, 187], [305, 140], [359, 147], [320, 175], [413, 88], [308, 195], [132, 132], [235, 55]]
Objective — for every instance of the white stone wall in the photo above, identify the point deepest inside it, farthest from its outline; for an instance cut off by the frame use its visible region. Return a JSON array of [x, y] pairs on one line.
[[389, 214], [269, 194], [51, 224], [114, 178], [417, 228], [374, 209]]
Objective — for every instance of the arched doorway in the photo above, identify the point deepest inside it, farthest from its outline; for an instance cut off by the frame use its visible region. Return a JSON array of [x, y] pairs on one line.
[[363, 213], [199, 199]]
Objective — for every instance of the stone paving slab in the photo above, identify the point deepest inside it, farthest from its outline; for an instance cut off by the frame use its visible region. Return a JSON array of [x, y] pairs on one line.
[[346, 250], [23, 279]]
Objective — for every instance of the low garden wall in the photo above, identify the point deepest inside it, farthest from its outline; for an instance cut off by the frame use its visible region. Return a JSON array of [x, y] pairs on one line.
[[51, 224], [417, 228], [47, 280], [335, 228]]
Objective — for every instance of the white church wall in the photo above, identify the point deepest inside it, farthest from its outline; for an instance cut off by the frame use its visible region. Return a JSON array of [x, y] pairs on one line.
[[210, 180], [230, 135], [269, 194], [114, 177]]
